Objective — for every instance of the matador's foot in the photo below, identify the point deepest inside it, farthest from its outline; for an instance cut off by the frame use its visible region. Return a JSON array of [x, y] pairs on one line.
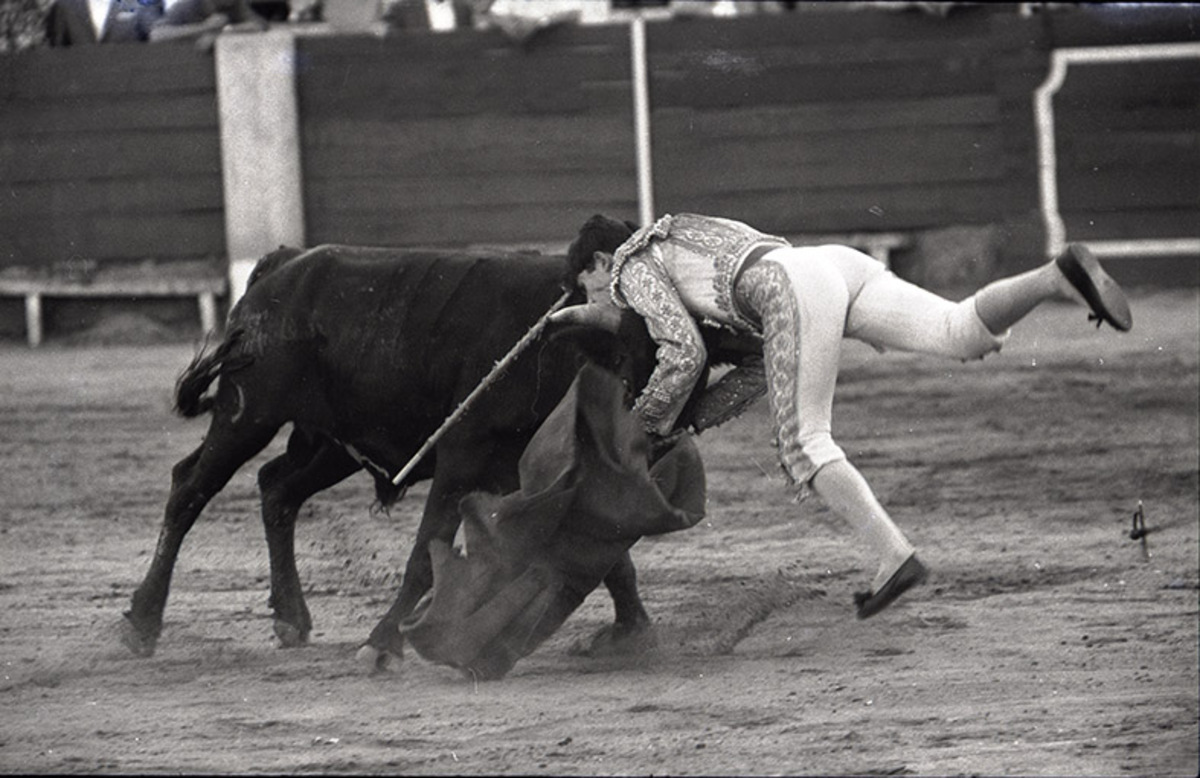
[[910, 574], [1102, 294]]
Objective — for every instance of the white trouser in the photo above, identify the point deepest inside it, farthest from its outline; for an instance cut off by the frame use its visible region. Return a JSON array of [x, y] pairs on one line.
[[808, 299]]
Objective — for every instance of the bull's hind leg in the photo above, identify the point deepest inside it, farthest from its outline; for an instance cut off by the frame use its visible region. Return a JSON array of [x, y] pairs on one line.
[[631, 630], [286, 482], [195, 480]]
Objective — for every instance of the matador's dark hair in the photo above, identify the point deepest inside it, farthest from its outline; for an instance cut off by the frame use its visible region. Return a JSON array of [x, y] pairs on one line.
[[599, 233]]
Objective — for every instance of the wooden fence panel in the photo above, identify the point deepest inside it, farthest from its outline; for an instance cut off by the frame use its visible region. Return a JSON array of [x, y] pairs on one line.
[[824, 122], [1128, 144], [1021, 61], [110, 154], [806, 122], [1118, 24], [463, 137]]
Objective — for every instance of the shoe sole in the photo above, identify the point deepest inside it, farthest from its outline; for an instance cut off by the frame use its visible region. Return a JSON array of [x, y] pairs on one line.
[[911, 573], [1102, 294]]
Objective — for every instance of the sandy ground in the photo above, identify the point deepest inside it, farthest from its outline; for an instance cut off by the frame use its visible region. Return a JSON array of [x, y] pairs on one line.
[[1047, 642]]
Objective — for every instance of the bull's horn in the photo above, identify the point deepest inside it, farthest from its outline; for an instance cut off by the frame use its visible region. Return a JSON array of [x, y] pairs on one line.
[[602, 315]]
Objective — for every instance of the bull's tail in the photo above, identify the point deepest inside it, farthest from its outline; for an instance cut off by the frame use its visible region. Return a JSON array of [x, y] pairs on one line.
[[191, 389], [191, 399]]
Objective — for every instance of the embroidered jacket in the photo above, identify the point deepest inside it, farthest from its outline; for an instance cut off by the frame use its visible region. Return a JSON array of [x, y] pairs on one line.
[[678, 269]]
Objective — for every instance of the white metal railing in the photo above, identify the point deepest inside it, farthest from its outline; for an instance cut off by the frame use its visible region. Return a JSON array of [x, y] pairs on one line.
[[1043, 107]]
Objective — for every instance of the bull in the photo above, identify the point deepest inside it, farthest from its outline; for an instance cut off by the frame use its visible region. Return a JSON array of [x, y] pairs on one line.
[[365, 351]]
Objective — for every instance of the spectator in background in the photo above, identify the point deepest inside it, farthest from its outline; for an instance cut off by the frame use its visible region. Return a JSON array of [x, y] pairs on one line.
[[272, 10], [81, 22], [521, 21], [306, 11], [75, 22], [437, 15], [203, 20]]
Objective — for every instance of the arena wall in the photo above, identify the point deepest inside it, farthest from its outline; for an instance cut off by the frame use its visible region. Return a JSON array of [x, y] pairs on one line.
[[110, 156]]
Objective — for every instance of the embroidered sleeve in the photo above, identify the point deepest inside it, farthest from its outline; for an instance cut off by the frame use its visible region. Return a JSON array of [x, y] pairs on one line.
[[636, 242], [681, 354]]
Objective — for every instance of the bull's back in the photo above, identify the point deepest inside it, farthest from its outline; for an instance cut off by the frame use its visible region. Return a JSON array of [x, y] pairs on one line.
[[410, 331]]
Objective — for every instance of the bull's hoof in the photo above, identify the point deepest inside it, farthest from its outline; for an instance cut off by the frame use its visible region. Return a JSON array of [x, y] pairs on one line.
[[290, 636], [619, 640], [373, 660], [139, 642]]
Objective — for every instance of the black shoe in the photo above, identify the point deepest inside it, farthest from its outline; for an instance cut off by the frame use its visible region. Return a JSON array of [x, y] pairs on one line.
[[1102, 293], [910, 574]]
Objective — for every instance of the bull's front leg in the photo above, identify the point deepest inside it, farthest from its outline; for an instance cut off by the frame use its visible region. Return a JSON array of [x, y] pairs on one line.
[[467, 461], [384, 648]]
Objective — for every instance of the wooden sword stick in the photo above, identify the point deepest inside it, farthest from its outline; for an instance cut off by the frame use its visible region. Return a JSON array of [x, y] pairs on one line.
[[484, 384]]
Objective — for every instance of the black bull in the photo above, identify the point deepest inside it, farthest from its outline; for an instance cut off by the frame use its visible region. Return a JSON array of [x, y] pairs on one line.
[[366, 351]]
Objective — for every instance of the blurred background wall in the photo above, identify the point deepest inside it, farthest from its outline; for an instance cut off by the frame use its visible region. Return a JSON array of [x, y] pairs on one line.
[[918, 124]]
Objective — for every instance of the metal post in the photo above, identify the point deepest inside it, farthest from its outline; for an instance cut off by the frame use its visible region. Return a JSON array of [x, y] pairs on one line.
[[33, 318], [641, 119]]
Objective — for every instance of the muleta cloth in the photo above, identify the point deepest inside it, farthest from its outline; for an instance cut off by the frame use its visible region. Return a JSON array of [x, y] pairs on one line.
[[587, 494]]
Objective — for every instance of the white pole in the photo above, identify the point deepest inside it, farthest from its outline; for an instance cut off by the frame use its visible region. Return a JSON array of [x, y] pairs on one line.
[[1043, 109], [1043, 112], [641, 119], [33, 318]]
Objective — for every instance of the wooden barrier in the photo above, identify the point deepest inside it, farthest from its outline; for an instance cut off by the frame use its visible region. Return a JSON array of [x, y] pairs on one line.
[[863, 128], [879, 245], [109, 154], [205, 290]]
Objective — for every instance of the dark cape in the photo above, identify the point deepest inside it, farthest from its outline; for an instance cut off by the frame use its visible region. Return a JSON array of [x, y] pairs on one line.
[[587, 495]]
